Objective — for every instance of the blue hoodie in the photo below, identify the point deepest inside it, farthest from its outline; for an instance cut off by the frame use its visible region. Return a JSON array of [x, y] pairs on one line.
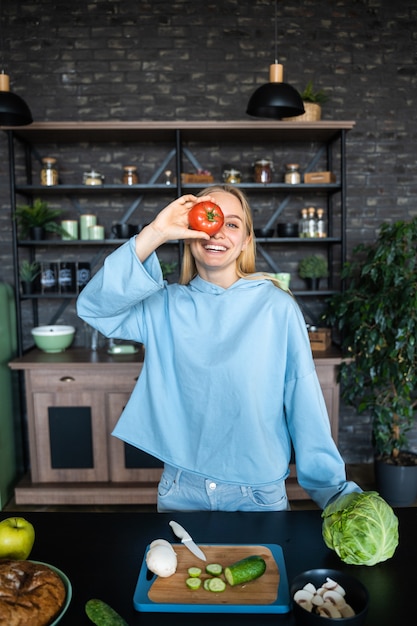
[[228, 379]]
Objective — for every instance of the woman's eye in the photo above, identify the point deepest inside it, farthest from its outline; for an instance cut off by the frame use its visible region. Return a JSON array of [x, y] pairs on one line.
[[232, 225]]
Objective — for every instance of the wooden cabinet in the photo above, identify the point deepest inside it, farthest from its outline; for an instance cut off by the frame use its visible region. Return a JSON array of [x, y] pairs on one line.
[[74, 400]]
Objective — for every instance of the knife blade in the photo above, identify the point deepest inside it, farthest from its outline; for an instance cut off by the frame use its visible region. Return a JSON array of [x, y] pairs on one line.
[[186, 539]]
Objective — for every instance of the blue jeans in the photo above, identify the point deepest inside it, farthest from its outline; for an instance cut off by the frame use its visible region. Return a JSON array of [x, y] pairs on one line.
[[184, 491]]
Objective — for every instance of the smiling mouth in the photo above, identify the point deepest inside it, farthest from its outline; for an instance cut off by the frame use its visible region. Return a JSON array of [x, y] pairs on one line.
[[215, 248]]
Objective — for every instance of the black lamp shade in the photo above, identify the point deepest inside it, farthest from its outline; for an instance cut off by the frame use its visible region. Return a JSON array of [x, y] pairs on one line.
[[275, 100], [13, 110]]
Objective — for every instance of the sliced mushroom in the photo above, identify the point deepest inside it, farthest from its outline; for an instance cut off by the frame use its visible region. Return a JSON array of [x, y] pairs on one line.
[[347, 611], [334, 597], [332, 584], [306, 604], [328, 610], [310, 587], [317, 600], [302, 595]]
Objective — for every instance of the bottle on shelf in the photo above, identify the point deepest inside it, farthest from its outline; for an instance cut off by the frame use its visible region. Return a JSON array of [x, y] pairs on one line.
[[321, 230], [303, 224], [311, 231]]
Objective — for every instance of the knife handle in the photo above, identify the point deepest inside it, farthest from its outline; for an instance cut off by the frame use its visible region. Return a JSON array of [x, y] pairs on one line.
[[178, 530]]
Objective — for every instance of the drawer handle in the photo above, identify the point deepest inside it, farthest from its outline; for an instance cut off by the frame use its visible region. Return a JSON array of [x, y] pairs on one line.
[[67, 379]]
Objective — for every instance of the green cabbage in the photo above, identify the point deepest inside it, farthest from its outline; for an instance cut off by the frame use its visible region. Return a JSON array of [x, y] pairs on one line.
[[361, 527]]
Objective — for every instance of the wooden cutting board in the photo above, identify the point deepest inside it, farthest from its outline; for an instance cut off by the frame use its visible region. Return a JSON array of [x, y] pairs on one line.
[[270, 591]]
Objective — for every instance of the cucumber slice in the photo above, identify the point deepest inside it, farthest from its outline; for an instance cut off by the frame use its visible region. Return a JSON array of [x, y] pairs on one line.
[[193, 583], [206, 583], [216, 584], [194, 572], [214, 569], [245, 570]]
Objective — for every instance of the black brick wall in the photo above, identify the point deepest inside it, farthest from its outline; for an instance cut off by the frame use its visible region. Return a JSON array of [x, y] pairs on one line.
[[163, 60]]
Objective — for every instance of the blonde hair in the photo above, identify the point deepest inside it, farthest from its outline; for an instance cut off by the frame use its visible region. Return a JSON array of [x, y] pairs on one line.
[[246, 261]]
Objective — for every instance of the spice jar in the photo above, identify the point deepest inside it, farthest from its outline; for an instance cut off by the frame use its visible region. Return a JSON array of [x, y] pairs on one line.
[[130, 175], [263, 171], [49, 173], [232, 176], [292, 174], [93, 178]]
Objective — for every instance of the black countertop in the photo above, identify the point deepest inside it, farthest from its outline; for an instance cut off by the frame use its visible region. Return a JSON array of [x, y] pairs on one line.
[[102, 553]]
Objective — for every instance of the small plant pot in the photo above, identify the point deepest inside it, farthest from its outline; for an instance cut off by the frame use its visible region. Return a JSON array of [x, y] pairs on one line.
[[27, 287], [313, 284], [37, 233]]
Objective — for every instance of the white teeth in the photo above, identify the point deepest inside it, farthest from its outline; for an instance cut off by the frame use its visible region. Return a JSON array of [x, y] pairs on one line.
[[213, 247]]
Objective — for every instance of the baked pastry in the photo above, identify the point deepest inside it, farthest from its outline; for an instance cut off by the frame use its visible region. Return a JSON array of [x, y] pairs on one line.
[[31, 594]]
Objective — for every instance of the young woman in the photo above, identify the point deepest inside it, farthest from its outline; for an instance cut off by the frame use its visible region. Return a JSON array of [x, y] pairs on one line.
[[228, 382]]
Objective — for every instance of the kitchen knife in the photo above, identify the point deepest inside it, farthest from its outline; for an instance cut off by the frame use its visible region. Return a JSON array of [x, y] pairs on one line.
[[185, 537]]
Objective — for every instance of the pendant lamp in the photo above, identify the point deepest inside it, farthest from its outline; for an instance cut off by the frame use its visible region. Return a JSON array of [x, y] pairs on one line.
[[275, 99], [13, 109]]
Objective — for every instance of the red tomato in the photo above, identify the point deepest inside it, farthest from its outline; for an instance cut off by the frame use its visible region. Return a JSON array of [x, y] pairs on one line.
[[206, 216]]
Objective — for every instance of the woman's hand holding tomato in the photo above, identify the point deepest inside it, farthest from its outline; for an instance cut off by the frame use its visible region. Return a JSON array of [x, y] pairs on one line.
[[173, 223]]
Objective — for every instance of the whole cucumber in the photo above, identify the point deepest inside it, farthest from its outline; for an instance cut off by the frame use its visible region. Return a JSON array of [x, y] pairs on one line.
[[245, 570], [102, 614]]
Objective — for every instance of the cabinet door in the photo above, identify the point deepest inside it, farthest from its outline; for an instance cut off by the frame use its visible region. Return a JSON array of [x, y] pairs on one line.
[[69, 436], [127, 463]]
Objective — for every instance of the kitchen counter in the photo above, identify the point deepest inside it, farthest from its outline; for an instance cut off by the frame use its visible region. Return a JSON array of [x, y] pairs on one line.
[[101, 553]]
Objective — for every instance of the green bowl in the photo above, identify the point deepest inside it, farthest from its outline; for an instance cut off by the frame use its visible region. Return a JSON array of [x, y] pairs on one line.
[[68, 589], [53, 338]]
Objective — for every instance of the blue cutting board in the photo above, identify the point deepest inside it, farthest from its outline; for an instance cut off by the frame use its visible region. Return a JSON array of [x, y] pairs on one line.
[[267, 594]]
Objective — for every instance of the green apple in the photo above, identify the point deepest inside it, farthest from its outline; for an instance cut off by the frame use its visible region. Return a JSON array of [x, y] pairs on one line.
[[17, 537]]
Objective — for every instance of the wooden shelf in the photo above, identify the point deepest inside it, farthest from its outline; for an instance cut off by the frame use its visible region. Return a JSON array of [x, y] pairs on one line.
[[127, 132]]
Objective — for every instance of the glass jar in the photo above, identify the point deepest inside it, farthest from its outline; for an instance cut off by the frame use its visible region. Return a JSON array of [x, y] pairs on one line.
[[232, 176], [93, 178], [49, 173], [130, 175], [292, 174], [263, 171]]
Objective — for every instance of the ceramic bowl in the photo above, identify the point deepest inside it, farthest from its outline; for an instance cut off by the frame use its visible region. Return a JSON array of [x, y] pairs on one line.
[[68, 589], [264, 232], [356, 596], [53, 338], [287, 229]]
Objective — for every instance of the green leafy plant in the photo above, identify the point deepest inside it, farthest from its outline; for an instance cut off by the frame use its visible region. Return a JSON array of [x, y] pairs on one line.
[[28, 271], [168, 268], [377, 317], [309, 95], [38, 214], [361, 528], [313, 266]]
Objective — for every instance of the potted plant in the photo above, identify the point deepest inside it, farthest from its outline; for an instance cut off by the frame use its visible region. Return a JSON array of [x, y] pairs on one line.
[[36, 219], [377, 317], [312, 101], [167, 268], [312, 268], [28, 272]]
